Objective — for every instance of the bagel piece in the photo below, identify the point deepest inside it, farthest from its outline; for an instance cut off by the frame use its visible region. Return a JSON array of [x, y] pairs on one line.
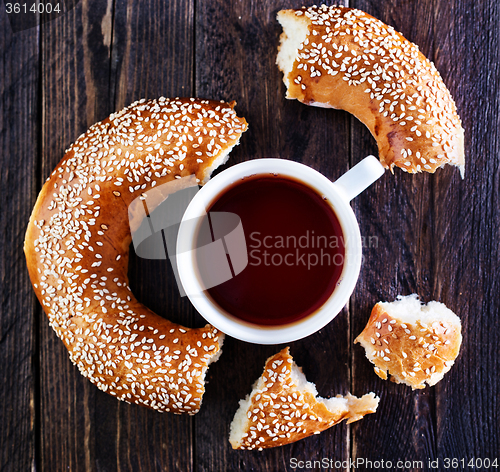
[[77, 247], [283, 407], [338, 57], [415, 343]]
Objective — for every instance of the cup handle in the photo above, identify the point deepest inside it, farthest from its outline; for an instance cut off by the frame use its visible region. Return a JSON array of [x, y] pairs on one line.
[[359, 178]]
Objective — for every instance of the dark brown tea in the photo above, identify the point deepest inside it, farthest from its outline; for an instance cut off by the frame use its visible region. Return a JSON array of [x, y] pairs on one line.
[[295, 250]]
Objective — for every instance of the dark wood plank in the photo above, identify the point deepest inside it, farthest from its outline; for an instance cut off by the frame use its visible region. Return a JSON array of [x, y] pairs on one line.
[[19, 69], [467, 225], [236, 47], [152, 57], [75, 72], [97, 59], [396, 212], [152, 50], [434, 234]]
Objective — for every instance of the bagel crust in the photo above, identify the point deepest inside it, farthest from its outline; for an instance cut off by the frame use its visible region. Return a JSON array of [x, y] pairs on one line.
[[416, 344], [338, 57], [283, 407], [77, 247]]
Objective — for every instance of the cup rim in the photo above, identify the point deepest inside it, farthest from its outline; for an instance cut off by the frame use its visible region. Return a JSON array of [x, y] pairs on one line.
[[303, 327]]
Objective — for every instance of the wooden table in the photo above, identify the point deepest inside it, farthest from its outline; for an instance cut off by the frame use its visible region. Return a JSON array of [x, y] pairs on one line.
[[437, 235]]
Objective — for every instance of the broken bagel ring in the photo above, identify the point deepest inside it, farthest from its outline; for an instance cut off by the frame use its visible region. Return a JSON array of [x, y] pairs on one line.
[[338, 57], [77, 246]]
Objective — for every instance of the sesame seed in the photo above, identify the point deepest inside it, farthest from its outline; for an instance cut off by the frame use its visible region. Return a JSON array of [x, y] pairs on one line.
[[103, 347], [404, 85]]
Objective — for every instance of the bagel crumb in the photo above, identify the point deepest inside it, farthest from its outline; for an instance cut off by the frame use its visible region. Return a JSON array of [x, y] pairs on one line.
[[424, 341]]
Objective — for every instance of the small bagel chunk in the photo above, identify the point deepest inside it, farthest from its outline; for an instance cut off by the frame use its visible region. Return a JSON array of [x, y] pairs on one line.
[[283, 407], [77, 248], [415, 343], [338, 57]]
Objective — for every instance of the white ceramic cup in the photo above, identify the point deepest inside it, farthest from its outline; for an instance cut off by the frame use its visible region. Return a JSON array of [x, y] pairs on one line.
[[338, 194]]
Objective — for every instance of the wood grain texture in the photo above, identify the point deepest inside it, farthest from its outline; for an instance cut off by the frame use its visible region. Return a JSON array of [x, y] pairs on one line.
[[75, 71], [435, 235], [152, 56], [466, 232], [397, 213], [102, 57], [236, 45], [434, 239], [19, 128], [152, 50]]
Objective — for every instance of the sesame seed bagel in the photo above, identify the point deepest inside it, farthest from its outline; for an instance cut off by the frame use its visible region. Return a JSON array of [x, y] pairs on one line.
[[416, 344], [283, 407], [77, 247], [337, 57]]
